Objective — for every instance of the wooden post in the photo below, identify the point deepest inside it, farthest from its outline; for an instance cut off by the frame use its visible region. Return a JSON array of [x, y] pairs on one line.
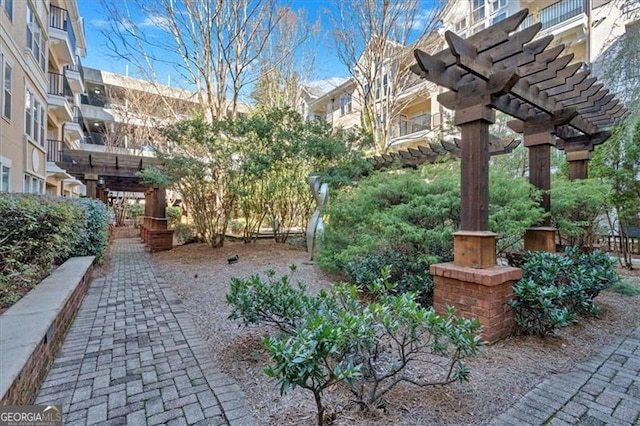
[[91, 180], [578, 164], [474, 175]]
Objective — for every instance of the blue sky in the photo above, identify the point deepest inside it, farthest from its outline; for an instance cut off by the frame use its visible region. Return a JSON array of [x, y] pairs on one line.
[[98, 54]]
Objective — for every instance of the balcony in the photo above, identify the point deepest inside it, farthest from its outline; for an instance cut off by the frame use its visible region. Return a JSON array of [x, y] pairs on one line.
[[54, 150], [558, 17], [415, 124], [63, 39], [75, 76], [60, 98], [407, 130], [73, 130]]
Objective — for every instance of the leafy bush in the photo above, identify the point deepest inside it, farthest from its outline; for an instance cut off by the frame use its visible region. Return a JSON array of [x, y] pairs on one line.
[[185, 234], [135, 210], [555, 289], [93, 237], [334, 337], [174, 215], [38, 232], [575, 209], [410, 272]]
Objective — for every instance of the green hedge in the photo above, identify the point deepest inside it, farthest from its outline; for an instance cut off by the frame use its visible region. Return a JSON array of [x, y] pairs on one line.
[[39, 232]]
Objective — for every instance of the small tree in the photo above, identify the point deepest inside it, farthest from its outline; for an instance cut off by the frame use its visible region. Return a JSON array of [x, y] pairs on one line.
[[201, 162]]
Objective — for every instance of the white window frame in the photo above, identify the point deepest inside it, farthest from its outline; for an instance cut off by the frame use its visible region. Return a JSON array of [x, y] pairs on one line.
[[35, 117], [460, 25], [6, 87], [38, 43], [475, 11], [33, 184], [5, 171], [346, 104], [496, 5], [7, 5]]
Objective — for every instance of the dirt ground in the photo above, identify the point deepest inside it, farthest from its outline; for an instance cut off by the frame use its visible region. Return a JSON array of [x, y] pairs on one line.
[[501, 373]]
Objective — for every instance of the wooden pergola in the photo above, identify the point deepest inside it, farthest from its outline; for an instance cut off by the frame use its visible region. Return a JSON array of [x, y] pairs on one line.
[[104, 171], [434, 151], [505, 69]]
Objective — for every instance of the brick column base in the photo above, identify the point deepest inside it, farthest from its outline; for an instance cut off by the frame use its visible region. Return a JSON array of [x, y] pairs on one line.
[[477, 293]]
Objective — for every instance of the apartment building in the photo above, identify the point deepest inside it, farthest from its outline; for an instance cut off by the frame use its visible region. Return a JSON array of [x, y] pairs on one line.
[[41, 43], [587, 28], [121, 113]]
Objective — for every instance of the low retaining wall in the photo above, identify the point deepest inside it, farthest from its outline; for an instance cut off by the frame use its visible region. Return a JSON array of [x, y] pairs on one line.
[[32, 330]]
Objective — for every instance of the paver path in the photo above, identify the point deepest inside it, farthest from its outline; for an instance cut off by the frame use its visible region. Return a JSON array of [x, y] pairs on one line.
[[602, 391], [133, 356]]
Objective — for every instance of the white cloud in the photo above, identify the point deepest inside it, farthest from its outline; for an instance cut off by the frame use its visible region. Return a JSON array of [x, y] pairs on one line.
[[155, 21]]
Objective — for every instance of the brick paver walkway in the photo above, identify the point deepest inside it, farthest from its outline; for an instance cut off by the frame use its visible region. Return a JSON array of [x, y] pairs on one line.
[[133, 356], [603, 391]]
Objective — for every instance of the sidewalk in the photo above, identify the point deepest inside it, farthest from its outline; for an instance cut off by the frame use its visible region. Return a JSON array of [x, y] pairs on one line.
[[602, 391], [133, 356]]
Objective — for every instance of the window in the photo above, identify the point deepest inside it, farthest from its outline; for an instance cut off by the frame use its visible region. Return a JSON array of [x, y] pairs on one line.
[[5, 171], [385, 85], [33, 185], [477, 8], [8, 8], [497, 5], [7, 80], [34, 118], [460, 25], [35, 38], [498, 18], [345, 104]]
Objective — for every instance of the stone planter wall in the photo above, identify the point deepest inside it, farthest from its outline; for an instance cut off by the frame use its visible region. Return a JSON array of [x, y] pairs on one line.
[[32, 330]]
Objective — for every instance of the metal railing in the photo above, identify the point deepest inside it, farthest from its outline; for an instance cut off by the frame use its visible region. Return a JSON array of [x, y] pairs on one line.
[[415, 124], [77, 116], [54, 150], [93, 100], [59, 86], [76, 68], [59, 18], [555, 14]]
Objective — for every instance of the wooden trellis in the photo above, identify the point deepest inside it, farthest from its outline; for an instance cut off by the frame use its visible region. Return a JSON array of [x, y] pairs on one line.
[[505, 69], [498, 68], [434, 151]]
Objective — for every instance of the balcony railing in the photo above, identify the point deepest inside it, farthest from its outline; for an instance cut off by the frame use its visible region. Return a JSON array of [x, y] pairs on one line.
[[59, 86], [59, 18], [93, 100], [555, 14], [54, 150], [77, 116], [76, 68], [415, 124]]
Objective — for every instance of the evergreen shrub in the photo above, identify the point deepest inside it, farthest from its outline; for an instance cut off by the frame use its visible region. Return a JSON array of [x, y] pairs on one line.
[[556, 289]]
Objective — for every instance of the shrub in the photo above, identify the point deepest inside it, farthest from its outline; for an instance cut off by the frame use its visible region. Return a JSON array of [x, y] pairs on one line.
[[334, 337], [404, 219], [575, 209], [555, 289], [410, 272], [135, 210], [174, 215], [38, 232], [93, 237]]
